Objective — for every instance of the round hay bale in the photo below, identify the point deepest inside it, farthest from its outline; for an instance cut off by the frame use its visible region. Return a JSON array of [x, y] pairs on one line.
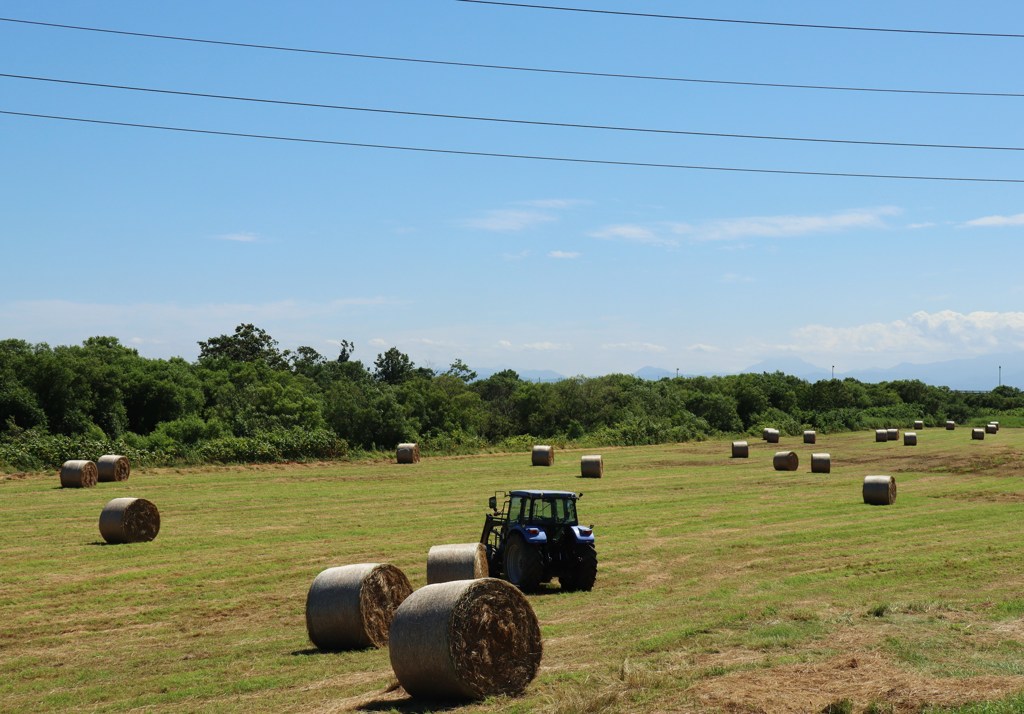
[[879, 490], [881, 435], [129, 520], [910, 438], [467, 639], [740, 450], [991, 428], [771, 436], [591, 466], [810, 437], [786, 461], [919, 424], [112, 467], [351, 606], [78, 473], [978, 433], [408, 453], [821, 463], [950, 425], [543, 455], [893, 434], [458, 561], [764, 433]]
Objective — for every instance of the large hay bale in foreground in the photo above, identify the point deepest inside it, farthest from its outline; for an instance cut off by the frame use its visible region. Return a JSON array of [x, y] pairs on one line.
[[879, 490], [771, 436], [740, 450], [810, 437], [112, 467], [467, 639], [78, 473], [893, 434], [351, 606], [910, 438], [978, 433], [821, 463], [786, 461], [408, 453], [950, 425], [919, 424], [881, 435], [591, 466], [991, 428], [457, 561], [543, 455], [129, 520]]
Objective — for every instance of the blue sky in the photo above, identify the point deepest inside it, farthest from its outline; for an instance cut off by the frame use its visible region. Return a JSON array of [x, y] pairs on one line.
[[163, 239]]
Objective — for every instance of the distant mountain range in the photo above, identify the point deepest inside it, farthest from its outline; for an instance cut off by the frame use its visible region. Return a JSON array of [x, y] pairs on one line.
[[973, 374]]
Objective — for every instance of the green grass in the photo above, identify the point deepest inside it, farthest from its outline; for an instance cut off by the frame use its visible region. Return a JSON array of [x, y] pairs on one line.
[[713, 571]]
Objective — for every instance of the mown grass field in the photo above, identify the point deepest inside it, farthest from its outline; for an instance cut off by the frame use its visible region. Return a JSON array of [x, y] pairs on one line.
[[723, 586]]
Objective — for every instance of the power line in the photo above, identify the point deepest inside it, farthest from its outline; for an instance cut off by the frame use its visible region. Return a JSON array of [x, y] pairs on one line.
[[692, 18], [527, 157], [518, 68], [505, 120]]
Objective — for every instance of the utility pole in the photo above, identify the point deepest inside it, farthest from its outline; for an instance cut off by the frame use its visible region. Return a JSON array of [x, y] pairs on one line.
[[833, 371], [677, 373], [1000, 375]]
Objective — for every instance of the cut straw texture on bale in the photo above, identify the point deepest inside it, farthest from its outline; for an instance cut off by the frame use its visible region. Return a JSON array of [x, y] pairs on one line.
[[467, 639], [543, 455], [78, 473], [459, 561], [591, 466], [408, 453], [978, 433], [810, 437], [881, 435], [821, 463], [351, 606], [112, 467], [879, 490], [129, 520], [786, 461], [910, 438], [740, 450], [771, 436]]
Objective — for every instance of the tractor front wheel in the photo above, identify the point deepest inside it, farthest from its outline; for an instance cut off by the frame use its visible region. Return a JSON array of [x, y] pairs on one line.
[[523, 566], [581, 572]]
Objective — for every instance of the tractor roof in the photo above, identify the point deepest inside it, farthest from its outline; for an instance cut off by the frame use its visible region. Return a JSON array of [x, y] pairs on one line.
[[528, 493]]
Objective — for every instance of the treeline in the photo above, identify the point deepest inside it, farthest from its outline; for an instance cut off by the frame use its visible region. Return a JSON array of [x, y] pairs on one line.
[[245, 400]]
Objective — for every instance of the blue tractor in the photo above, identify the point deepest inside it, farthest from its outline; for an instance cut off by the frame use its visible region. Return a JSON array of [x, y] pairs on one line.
[[536, 537]]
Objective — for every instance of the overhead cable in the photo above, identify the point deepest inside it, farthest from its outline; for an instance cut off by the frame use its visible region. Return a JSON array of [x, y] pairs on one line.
[[733, 21], [505, 120], [517, 68], [527, 157]]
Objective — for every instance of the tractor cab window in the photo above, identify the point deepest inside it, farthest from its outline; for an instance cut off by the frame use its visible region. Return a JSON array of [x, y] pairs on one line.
[[555, 510], [515, 509]]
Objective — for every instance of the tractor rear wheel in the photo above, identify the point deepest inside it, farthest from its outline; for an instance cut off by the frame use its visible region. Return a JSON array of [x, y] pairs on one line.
[[581, 571], [523, 566]]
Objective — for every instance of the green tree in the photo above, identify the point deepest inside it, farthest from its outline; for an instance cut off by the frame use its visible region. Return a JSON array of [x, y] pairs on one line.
[[393, 367], [248, 344]]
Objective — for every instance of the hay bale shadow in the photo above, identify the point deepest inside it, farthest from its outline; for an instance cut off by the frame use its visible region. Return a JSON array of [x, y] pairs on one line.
[[408, 705]]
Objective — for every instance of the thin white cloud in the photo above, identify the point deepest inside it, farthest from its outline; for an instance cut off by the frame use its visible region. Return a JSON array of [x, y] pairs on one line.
[[921, 226], [633, 233], [239, 237], [378, 342], [996, 221], [514, 257], [555, 203], [634, 347], [942, 333], [547, 346], [508, 220], [564, 254], [702, 348], [786, 226], [504, 343]]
